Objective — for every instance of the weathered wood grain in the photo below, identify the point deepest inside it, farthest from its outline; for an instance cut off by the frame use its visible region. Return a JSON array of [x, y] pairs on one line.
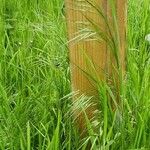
[[77, 12]]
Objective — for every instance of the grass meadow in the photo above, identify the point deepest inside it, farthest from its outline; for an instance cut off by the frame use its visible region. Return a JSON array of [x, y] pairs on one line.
[[35, 92]]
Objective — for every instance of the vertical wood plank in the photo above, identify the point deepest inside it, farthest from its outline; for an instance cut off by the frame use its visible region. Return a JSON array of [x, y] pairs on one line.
[[120, 11], [94, 49], [122, 15], [97, 51]]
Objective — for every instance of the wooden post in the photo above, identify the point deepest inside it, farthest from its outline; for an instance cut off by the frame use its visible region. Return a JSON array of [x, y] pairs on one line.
[[77, 12]]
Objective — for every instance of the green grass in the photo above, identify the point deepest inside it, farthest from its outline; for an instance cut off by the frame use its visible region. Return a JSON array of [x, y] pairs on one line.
[[35, 95]]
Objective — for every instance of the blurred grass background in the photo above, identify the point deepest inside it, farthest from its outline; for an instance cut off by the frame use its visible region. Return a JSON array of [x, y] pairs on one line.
[[35, 80]]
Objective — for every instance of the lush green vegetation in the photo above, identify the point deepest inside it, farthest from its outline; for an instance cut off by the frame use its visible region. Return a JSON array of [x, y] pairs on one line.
[[35, 82]]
